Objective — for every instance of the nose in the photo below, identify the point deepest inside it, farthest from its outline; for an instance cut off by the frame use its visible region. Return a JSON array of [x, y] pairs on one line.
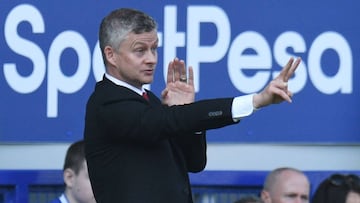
[[151, 57], [301, 200]]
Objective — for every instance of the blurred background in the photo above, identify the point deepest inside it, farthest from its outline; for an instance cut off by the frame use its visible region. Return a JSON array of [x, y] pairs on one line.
[[50, 62]]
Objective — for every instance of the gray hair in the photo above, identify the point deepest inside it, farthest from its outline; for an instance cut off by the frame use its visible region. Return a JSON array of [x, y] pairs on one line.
[[115, 27]]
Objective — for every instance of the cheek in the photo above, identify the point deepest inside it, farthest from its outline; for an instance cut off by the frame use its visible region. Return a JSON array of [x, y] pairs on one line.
[[127, 65], [86, 185], [127, 60], [83, 187], [353, 198]]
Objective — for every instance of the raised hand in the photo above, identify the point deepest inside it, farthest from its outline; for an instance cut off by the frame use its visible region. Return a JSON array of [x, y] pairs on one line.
[[179, 85], [277, 90]]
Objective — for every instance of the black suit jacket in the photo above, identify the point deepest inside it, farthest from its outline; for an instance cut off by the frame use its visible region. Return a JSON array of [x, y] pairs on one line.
[[141, 151]]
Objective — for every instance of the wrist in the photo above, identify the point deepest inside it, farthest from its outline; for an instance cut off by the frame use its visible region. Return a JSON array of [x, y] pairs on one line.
[[256, 101]]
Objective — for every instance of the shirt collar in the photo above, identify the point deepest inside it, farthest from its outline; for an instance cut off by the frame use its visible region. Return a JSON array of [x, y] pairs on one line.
[[63, 198], [124, 84]]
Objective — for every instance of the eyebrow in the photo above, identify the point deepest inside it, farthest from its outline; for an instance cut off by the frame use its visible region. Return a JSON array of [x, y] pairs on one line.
[[144, 43]]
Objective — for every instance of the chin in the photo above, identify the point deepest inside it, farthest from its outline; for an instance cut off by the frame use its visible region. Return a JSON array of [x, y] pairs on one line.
[[148, 81]]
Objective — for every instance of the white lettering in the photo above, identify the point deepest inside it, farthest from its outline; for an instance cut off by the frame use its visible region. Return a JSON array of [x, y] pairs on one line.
[[24, 47], [342, 81], [295, 41], [57, 81], [249, 59], [238, 61], [98, 63], [172, 38], [196, 53]]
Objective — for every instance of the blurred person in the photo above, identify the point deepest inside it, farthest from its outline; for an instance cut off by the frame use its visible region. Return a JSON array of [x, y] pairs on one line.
[[140, 148], [76, 177], [286, 185], [249, 199], [338, 188]]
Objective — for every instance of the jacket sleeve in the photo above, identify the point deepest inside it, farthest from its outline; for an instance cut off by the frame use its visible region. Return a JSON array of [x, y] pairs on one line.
[[121, 114], [193, 148]]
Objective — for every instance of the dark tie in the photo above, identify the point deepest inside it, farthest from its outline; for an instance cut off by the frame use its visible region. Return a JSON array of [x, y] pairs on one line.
[[145, 96]]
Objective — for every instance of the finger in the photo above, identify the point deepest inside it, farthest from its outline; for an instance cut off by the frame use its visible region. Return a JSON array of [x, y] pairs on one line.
[[176, 69], [287, 98], [290, 94], [280, 84], [182, 71], [164, 93], [182, 68], [286, 69], [292, 69], [279, 90], [283, 94], [170, 73], [191, 76]]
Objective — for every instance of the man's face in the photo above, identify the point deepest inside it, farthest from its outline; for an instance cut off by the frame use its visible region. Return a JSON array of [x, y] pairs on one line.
[[135, 60], [291, 187], [353, 197], [81, 188]]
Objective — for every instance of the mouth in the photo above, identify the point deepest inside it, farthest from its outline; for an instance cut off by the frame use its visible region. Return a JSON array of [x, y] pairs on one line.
[[149, 72]]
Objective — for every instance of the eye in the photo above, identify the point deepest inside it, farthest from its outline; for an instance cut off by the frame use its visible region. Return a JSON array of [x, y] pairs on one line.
[[154, 49], [140, 50], [305, 198]]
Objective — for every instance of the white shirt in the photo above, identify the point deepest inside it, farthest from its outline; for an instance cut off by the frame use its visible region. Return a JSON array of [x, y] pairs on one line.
[[124, 84], [242, 106], [63, 199]]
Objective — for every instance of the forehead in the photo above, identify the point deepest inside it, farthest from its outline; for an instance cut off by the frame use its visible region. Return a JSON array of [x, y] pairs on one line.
[[142, 38], [293, 182]]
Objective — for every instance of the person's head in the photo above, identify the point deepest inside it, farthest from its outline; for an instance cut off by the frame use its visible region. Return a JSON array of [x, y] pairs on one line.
[[128, 42], [77, 183], [338, 188], [249, 199], [286, 185]]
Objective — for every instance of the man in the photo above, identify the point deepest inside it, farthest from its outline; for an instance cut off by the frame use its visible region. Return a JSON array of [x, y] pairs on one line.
[[286, 185], [76, 177], [138, 148]]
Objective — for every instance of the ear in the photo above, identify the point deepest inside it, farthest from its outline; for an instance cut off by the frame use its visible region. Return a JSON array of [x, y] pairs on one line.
[[265, 196], [69, 176], [110, 55]]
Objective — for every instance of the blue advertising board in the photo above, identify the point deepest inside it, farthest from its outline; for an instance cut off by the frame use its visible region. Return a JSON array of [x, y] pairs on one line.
[[50, 62]]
